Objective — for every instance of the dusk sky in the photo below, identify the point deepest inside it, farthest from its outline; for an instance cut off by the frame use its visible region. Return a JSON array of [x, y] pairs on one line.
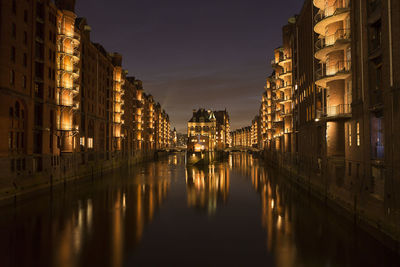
[[189, 54]]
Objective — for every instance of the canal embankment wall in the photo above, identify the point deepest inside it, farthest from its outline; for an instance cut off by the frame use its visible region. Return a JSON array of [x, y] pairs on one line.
[[70, 170], [365, 211]]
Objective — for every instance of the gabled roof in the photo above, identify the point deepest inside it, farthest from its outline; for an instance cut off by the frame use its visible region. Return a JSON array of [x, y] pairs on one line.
[[202, 115]]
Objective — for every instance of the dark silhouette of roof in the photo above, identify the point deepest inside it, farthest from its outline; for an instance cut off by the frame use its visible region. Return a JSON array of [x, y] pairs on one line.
[[202, 115]]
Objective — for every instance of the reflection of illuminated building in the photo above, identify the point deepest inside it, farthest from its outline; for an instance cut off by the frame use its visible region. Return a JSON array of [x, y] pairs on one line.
[[207, 186], [275, 212], [131, 206]]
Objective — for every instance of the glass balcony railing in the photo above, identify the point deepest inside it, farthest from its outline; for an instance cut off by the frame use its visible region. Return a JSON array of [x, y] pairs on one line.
[[332, 10], [334, 111], [333, 69], [330, 40]]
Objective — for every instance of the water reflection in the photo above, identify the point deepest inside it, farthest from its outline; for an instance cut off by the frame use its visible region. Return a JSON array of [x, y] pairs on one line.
[[108, 215], [207, 186], [301, 231], [146, 216]]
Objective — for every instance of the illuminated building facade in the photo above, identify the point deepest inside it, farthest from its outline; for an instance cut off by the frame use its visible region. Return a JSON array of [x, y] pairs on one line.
[[209, 130], [202, 131], [148, 119], [256, 140], [223, 130], [162, 128], [242, 137], [334, 105], [65, 111]]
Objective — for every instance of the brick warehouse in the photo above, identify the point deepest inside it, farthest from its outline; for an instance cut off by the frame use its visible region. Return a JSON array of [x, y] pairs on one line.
[[332, 103], [67, 104]]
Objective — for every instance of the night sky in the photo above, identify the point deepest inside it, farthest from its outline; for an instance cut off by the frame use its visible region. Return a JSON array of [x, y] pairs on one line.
[[202, 53]]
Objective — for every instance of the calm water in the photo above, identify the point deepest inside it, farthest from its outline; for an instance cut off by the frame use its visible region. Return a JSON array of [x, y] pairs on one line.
[[234, 213]]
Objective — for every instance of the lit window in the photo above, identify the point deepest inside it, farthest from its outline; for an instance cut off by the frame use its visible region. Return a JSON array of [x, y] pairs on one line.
[[358, 134], [90, 143], [82, 141], [349, 133]]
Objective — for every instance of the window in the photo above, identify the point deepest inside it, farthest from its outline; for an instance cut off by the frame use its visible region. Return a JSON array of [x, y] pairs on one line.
[[82, 141], [25, 60], [10, 140], [349, 170], [12, 77], [17, 139], [13, 165], [349, 133], [25, 37], [358, 134], [14, 30], [90, 142], [24, 82], [378, 83], [22, 140], [13, 54], [26, 16], [14, 7]]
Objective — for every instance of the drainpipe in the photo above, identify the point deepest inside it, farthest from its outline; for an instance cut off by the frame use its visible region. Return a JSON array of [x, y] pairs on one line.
[[391, 84], [390, 41], [362, 51]]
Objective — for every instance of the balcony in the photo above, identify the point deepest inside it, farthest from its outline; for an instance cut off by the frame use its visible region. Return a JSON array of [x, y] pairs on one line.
[[337, 41], [75, 54], [338, 71], [376, 100], [286, 113], [284, 86], [283, 100], [374, 11], [74, 89], [66, 34], [338, 11], [284, 59], [284, 74], [74, 71], [275, 65], [331, 113]]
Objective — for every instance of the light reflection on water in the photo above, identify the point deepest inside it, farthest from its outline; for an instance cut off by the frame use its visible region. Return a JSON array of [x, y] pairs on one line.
[[230, 213]]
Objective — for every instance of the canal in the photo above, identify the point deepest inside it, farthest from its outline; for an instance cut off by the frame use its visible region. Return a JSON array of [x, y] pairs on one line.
[[232, 213]]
